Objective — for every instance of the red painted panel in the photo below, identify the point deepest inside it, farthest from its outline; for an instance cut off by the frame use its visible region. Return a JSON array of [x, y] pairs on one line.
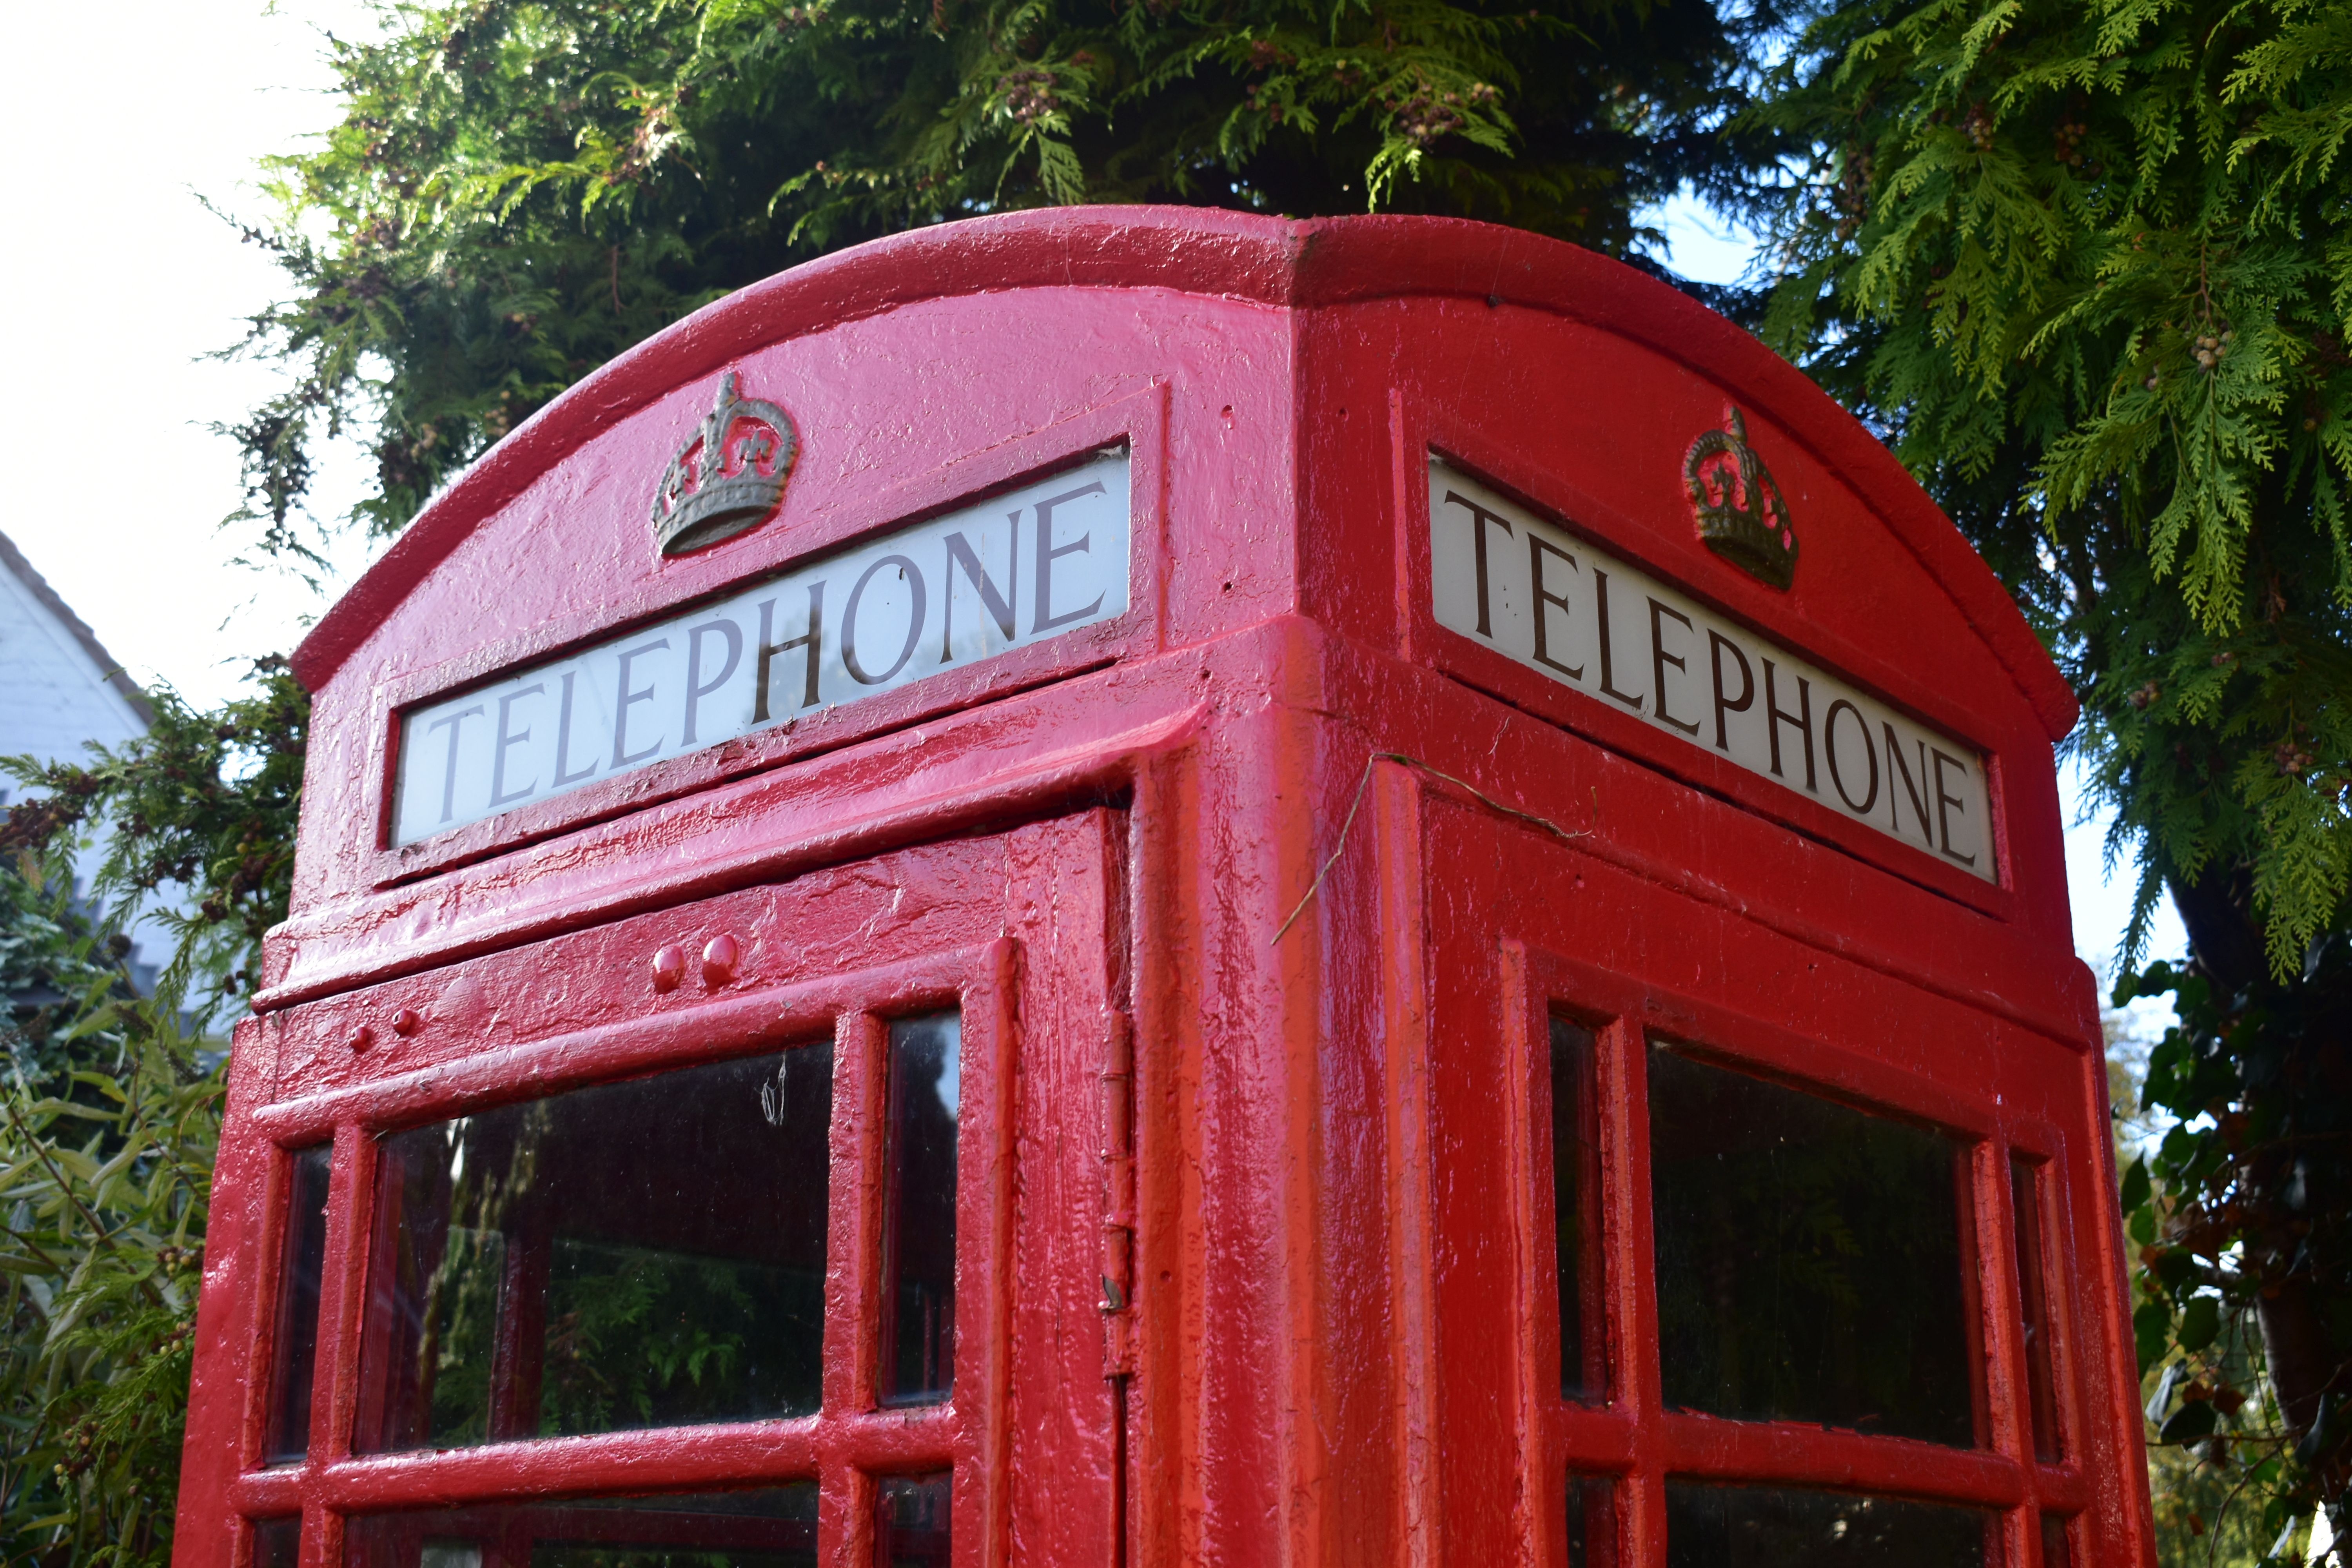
[[1504, 919], [1012, 931], [1251, 898]]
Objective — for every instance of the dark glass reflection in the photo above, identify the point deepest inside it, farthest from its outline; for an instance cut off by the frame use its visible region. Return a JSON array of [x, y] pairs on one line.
[[2055, 1551], [919, 1240], [2033, 1287], [911, 1523], [774, 1527], [278, 1542], [1591, 1523], [640, 1253], [1576, 1211], [1808, 1262], [1770, 1527], [295, 1361]]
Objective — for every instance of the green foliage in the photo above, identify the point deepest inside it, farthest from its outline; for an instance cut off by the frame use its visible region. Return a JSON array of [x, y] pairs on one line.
[[641, 1338], [109, 1120], [2245, 1259], [2206, 1514], [203, 802], [2087, 267], [2210, 1508], [633, 1337], [110, 1109], [521, 189], [57, 971]]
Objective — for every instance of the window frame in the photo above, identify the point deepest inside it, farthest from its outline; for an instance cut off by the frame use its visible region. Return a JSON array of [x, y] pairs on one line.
[[1630, 1437], [851, 1442]]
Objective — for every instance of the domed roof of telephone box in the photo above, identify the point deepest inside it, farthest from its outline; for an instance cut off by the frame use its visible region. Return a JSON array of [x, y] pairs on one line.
[[1173, 251]]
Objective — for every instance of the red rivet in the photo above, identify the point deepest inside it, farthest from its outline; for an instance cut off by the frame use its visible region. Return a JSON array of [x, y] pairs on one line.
[[669, 967], [362, 1037], [407, 1021], [719, 956]]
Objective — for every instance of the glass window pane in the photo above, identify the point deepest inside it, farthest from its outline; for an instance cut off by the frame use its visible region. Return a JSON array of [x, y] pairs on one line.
[[278, 1542], [1591, 1523], [1808, 1262], [2033, 1287], [1576, 1211], [640, 1253], [1772, 1527], [304, 1260], [773, 1527], [2055, 1551], [910, 1525], [920, 1240]]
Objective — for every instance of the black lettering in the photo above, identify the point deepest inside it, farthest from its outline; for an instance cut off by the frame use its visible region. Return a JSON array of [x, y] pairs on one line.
[[1537, 549], [1801, 720], [1829, 744], [812, 639], [1944, 802], [1716, 644], [696, 688], [909, 570], [1047, 554], [1659, 659], [499, 796], [449, 768], [563, 738], [1479, 518], [961, 553], [621, 755], [1600, 622], [1895, 764]]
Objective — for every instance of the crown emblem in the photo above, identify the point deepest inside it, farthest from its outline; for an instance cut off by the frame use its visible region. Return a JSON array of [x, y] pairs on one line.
[[1741, 516], [729, 476]]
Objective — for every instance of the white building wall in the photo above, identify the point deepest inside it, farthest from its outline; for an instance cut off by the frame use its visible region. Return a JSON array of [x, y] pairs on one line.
[[60, 690]]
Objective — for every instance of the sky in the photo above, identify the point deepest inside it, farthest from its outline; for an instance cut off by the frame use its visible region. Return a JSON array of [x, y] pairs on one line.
[[119, 295], [117, 283]]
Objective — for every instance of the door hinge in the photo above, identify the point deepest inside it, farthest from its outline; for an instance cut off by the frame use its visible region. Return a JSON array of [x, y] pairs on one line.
[[1118, 1155]]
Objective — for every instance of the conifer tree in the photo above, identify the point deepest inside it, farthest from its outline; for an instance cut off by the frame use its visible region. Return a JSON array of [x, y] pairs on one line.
[[2088, 265], [520, 189]]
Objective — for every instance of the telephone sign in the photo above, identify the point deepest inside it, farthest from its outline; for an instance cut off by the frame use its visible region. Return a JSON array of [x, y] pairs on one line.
[[921, 599], [1580, 615]]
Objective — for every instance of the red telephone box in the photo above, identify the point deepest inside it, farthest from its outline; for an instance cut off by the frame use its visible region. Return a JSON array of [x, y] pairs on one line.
[[1159, 887]]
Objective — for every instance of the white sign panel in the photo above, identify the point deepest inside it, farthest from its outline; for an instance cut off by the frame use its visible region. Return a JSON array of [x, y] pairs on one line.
[[1503, 577], [1021, 568]]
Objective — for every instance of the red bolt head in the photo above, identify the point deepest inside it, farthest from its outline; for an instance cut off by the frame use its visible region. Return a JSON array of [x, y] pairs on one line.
[[407, 1021], [719, 956], [669, 967], [363, 1036]]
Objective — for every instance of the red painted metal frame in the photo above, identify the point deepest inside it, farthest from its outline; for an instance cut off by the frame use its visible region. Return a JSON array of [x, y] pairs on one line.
[[783, 999], [1107, 835], [1498, 1099], [842, 1447]]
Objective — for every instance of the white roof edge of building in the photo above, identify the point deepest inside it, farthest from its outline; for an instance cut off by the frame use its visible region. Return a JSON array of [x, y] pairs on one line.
[[109, 667]]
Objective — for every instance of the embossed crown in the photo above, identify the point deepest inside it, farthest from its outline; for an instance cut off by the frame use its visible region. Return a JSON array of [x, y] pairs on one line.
[[1741, 516], [729, 476]]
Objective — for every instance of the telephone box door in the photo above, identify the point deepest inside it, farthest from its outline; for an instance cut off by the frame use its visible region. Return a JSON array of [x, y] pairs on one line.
[[1740, 1234], [769, 1225]]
